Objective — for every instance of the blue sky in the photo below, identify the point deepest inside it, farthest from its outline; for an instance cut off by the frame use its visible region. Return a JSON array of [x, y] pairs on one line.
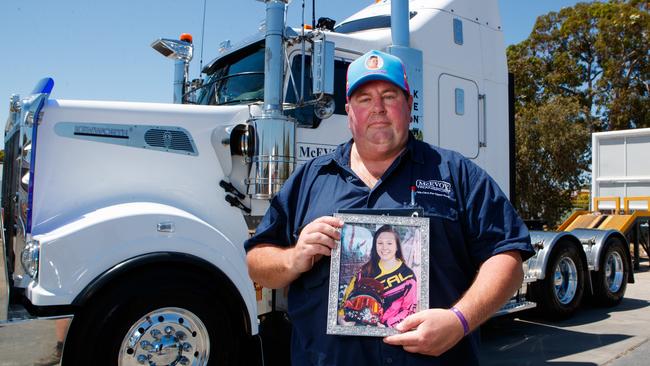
[[100, 50]]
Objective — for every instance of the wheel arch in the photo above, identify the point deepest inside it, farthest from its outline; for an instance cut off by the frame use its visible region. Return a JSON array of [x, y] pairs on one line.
[[543, 290], [599, 240], [160, 260], [77, 254], [548, 241]]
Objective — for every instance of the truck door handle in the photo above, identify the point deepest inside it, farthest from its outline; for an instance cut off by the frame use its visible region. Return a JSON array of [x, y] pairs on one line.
[[482, 126]]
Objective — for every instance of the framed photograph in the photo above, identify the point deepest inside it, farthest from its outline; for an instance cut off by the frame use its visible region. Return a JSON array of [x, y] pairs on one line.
[[379, 274]]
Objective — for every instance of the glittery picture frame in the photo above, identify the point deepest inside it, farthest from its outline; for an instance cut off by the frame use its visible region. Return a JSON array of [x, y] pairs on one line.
[[356, 301]]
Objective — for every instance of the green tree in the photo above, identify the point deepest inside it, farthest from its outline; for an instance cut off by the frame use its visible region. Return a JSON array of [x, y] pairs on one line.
[[551, 139], [588, 66]]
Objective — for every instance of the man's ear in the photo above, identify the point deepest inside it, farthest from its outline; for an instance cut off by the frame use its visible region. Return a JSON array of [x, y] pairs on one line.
[[347, 111]]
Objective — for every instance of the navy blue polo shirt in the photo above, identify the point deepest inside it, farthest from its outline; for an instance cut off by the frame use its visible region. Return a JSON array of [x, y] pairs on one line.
[[470, 220]]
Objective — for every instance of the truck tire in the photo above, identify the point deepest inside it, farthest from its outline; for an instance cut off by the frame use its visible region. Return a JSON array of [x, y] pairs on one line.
[[560, 293], [610, 281], [156, 317]]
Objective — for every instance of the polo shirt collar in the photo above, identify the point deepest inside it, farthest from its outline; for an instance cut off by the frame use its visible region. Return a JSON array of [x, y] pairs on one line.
[[342, 153]]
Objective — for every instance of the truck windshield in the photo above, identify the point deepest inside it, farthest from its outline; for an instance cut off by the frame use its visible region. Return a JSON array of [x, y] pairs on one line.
[[236, 78], [381, 21], [363, 24]]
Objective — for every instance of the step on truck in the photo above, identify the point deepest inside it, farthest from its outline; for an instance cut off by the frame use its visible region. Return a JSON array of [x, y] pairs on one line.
[[124, 223]]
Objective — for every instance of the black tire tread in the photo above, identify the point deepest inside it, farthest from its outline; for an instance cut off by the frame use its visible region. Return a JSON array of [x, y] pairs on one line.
[[602, 295], [97, 330], [543, 291]]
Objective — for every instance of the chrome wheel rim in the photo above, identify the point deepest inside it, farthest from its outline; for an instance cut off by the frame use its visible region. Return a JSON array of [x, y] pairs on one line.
[[614, 271], [166, 336], [565, 280]]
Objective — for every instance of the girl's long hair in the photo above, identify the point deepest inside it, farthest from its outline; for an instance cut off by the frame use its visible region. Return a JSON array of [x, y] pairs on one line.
[[371, 267]]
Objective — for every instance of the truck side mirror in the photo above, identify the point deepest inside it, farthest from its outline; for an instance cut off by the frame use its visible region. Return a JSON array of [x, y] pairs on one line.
[[326, 23], [173, 48], [322, 73], [325, 107], [181, 52], [322, 68]]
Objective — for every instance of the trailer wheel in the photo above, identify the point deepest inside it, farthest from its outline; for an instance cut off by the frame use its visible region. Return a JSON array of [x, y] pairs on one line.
[[610, 281], [560, 293], [177, 321]]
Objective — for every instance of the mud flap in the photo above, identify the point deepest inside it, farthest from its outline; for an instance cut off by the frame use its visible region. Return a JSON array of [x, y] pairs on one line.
[[275, 332]]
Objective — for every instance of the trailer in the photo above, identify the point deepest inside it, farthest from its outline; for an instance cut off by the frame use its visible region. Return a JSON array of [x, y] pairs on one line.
[[119, 216], [593, 256], [620, 185]]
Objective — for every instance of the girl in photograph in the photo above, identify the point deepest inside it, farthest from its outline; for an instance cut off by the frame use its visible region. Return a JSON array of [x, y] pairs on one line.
[[384, 290]]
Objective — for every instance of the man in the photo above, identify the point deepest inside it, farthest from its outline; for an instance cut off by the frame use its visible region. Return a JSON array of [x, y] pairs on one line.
[[477, 242], [372, 63]]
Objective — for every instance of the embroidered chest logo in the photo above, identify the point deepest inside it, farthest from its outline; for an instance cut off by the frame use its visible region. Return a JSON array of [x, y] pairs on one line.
[[435, 187]]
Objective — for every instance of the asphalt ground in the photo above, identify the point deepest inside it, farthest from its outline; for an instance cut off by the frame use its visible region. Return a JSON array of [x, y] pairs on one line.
[[614, 336], [618, 336]]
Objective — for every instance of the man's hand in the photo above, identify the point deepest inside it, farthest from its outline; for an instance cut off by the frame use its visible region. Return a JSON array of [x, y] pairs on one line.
[[434, 331], [275, 266], [431, 332], [316, 239]]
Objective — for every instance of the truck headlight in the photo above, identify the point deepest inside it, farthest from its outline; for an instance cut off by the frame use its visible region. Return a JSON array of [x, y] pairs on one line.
[[30, 258]]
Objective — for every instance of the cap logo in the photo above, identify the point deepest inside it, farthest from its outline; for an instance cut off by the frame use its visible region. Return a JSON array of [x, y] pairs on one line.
[[374, 62]]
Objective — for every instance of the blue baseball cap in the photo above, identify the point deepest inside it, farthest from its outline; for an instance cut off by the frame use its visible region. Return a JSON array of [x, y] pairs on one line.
[[376, 65]]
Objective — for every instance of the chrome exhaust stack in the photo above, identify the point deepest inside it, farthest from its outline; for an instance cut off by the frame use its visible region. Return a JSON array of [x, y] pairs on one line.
[[399, 22], [412, 58], [274, 133]]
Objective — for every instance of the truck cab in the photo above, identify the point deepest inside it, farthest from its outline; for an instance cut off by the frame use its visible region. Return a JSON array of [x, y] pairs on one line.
[[124, 223]]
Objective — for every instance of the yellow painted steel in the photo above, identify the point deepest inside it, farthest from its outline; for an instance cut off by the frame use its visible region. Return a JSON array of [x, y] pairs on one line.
[[616, 200], [586, 221], [632, 218], [617, 221], [571, 219], [627, 200]]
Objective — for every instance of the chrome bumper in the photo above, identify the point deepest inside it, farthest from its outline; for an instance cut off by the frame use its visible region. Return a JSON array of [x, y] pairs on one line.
[[25, 340]]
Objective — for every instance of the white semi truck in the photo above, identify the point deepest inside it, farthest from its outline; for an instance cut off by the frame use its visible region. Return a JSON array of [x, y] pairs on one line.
[[127, 220]]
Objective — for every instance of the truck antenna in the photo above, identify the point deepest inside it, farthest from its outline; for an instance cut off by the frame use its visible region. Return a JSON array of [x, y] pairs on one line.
[[202, 37], [313, 14]]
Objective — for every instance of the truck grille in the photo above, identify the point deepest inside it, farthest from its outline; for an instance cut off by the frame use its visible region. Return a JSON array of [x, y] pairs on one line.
[[169, 139]]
